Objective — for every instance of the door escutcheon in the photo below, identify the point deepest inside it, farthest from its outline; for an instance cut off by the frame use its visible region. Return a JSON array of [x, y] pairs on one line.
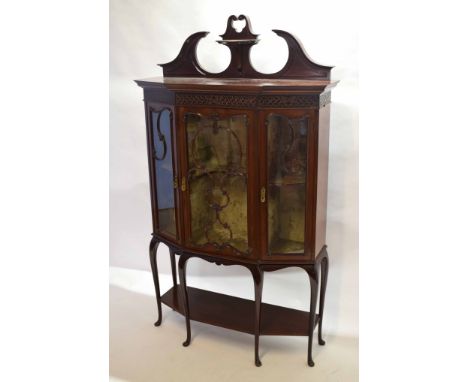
[[262, 195]]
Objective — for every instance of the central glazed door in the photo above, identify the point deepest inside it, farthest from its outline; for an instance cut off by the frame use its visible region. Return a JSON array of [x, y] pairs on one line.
[[219, 170]]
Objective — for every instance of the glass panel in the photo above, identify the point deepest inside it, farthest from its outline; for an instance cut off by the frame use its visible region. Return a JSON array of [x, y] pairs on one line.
[[217, 178], [162, 144], [287, 168]]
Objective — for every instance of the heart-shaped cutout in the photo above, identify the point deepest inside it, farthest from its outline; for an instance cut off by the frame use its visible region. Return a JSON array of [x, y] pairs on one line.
[[238, 25]]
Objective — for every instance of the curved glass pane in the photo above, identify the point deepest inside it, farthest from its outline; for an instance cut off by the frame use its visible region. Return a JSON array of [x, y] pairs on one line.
[[287, 169], [162, 154], [217, 179]]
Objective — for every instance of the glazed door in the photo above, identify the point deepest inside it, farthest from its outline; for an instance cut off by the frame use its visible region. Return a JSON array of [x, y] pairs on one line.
[[288, 137], [218, 170], [163, 170]]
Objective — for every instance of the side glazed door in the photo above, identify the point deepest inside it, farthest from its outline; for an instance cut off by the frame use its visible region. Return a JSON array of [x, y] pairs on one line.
[[287, 183], [218, 170], [163, 170]]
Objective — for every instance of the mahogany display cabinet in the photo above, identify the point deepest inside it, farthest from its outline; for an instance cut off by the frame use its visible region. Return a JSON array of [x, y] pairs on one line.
[[238, 164]]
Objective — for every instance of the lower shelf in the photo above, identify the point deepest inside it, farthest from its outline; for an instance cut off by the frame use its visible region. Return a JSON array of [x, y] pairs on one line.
[[238, 314]]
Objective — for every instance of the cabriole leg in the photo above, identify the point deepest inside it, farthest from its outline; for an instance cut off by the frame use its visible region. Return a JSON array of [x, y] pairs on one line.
[[153, 249], [323, 289], [182, 267], [257, 274], [173, 267], [313, 304]]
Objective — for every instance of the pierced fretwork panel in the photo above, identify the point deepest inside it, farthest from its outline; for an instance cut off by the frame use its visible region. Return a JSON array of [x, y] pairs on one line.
[[217, 180], [287, 169]]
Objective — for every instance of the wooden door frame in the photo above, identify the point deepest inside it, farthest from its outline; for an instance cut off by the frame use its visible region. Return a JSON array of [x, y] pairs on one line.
[[311, 197], [252, 179], [150, 107]]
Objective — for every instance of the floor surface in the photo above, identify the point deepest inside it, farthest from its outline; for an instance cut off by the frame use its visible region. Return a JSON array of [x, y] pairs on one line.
[[141, 352]]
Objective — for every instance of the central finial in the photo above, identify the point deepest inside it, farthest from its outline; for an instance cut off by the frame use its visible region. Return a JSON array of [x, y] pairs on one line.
[[232, 34]]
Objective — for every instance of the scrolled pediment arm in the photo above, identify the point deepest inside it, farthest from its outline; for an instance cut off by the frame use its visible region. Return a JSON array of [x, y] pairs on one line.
[[298, 65]]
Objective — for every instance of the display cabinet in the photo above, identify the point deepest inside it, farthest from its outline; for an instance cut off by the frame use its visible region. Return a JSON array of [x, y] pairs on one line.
[[238, 164]]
